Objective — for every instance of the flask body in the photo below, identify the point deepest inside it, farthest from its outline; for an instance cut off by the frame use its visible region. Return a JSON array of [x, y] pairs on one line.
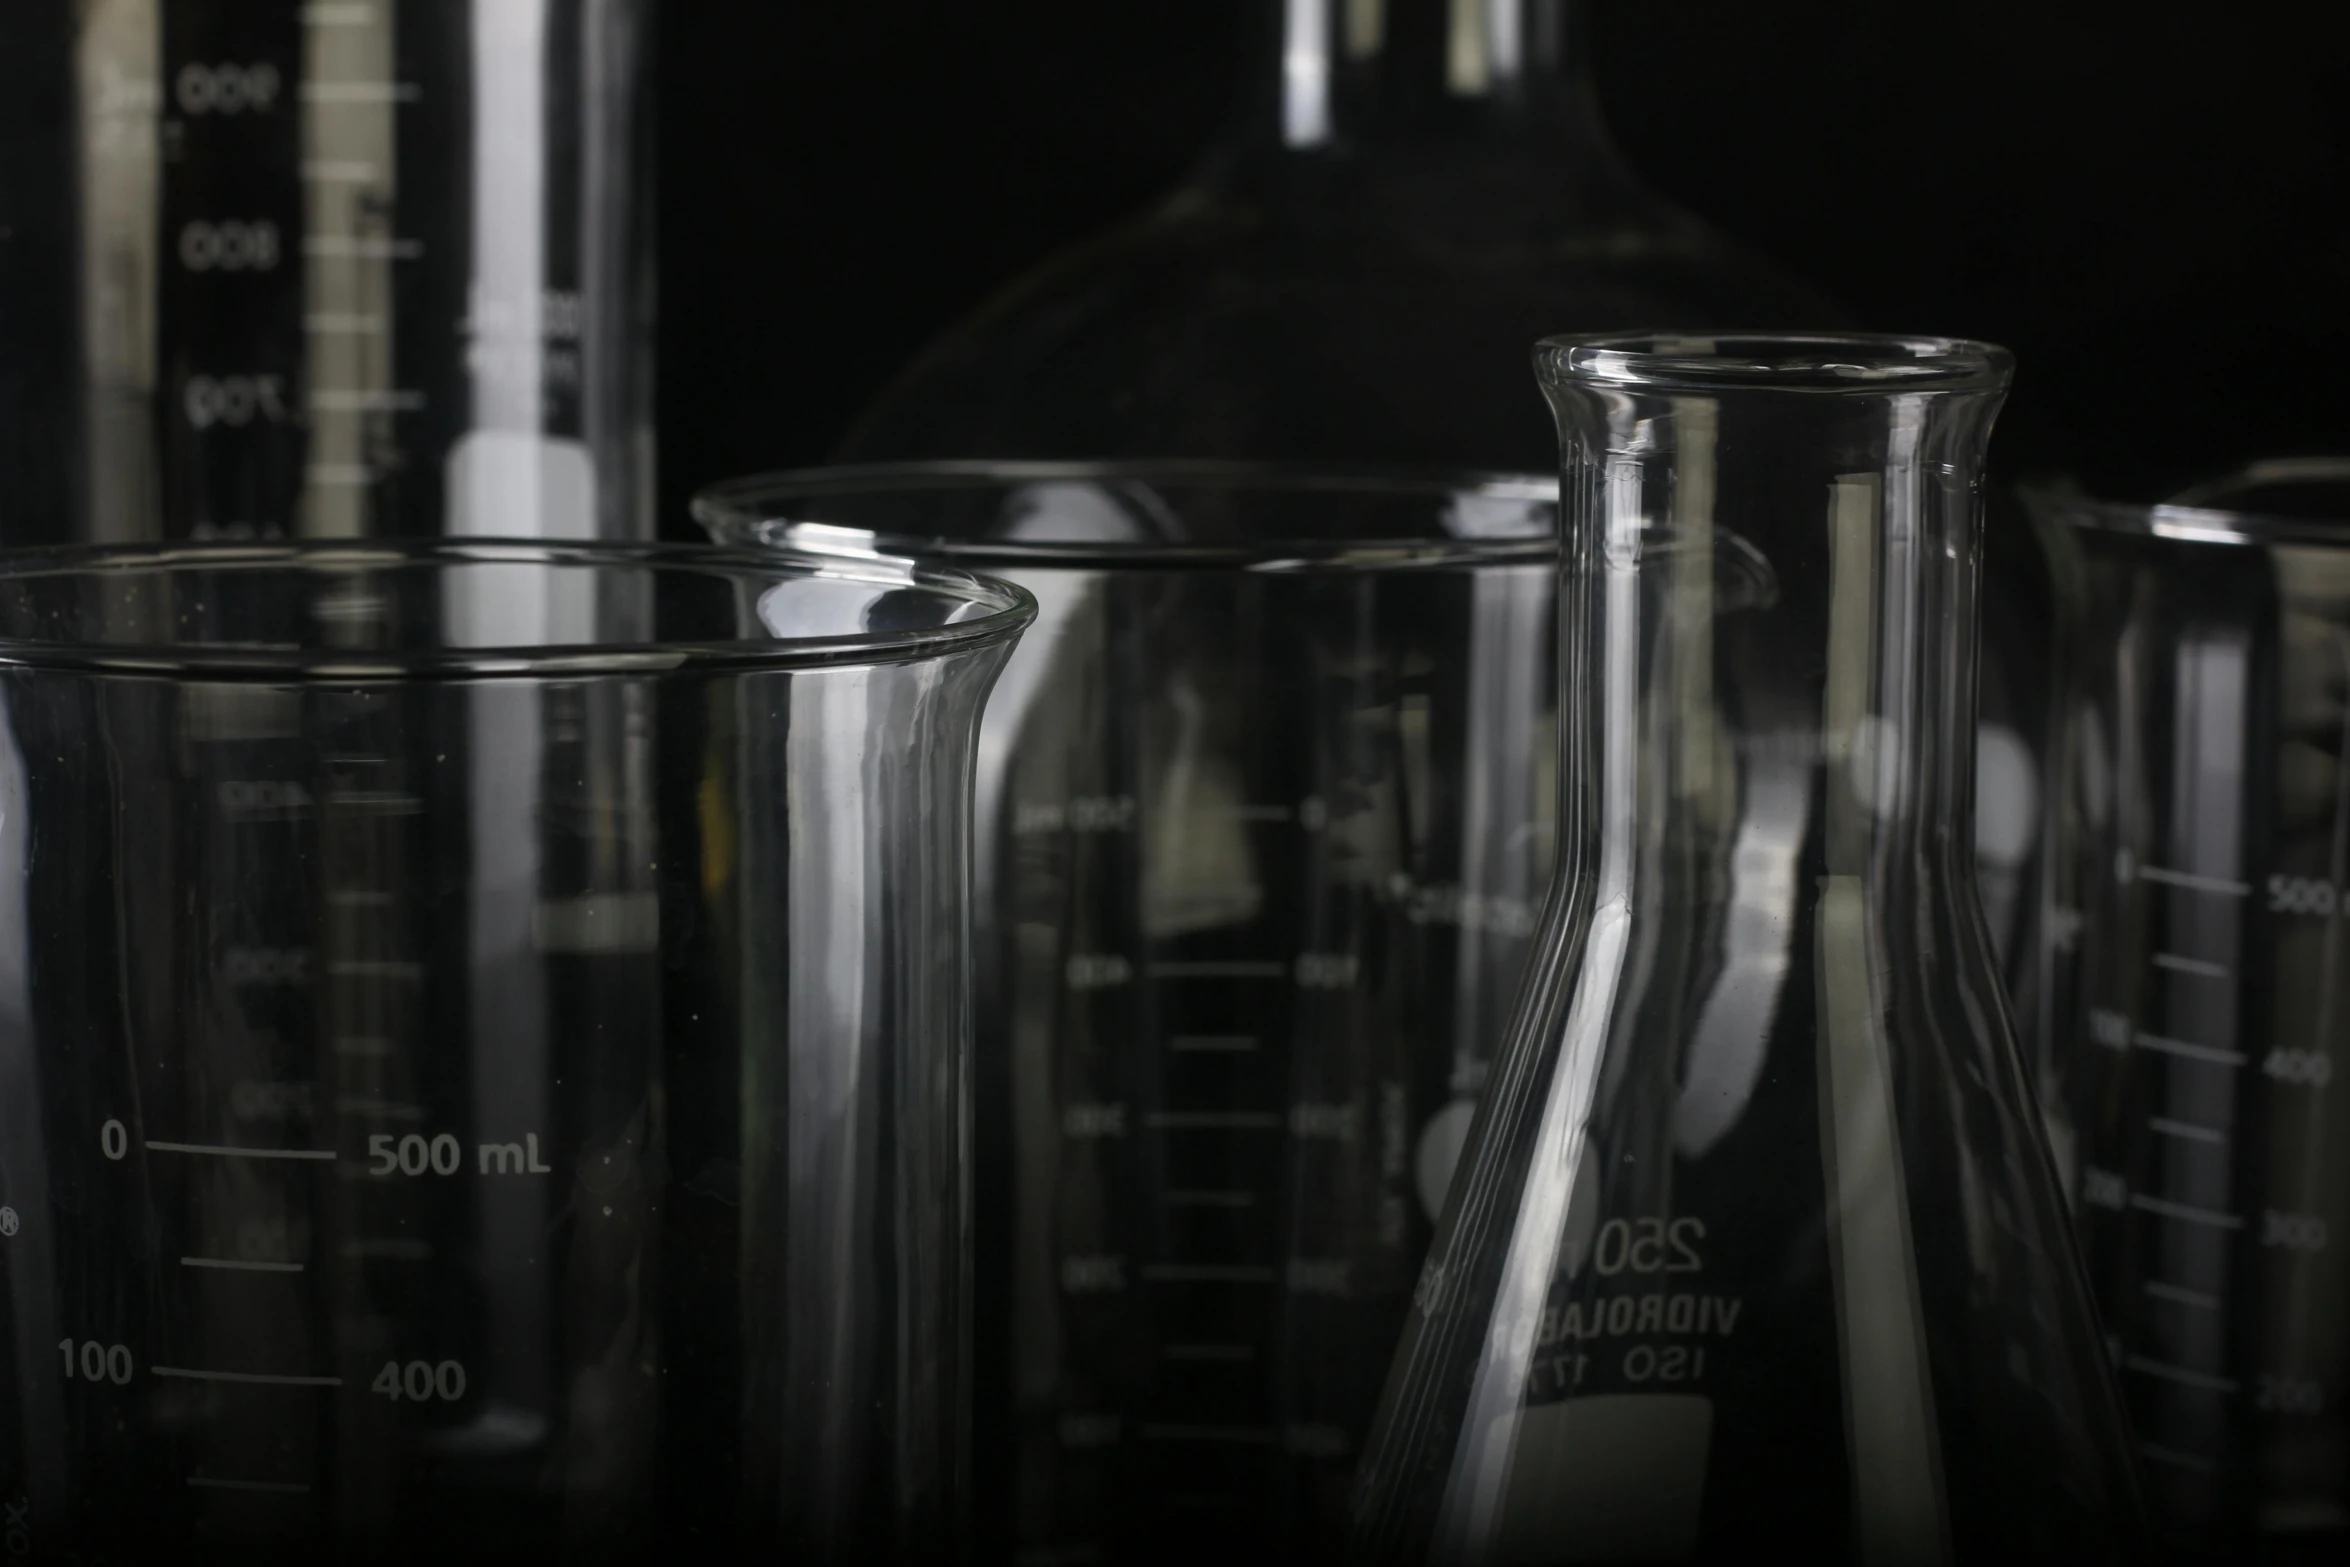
[[1755, 1243]]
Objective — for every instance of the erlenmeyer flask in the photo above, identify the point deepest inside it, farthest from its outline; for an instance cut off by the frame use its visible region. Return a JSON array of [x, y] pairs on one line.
[[1755, 1250]]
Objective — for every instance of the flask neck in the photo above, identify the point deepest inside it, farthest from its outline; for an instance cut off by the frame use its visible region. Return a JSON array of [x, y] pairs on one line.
[[1769, 620], [1373, 82]]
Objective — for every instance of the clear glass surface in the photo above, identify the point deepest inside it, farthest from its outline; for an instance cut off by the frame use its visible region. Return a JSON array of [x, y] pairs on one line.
[[483, 1051], [1414, 191], [2195, 1034], [368, 267], [1755, 1251], [1263, 806]]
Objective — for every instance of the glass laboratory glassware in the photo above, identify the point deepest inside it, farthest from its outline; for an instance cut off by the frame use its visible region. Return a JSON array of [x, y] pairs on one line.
[[484, 1070], [1412, 192], [1262, 805], [2199, 898], [324, 267], [1755, 1252]]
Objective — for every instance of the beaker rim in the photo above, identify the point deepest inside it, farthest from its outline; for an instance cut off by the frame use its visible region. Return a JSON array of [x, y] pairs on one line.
[[997, 611], [2181, 522], [1509, 518], [1866, 364]]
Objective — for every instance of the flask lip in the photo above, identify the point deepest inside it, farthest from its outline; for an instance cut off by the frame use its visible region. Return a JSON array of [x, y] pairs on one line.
[[1471, 517], [1863, 364], [974, 612]]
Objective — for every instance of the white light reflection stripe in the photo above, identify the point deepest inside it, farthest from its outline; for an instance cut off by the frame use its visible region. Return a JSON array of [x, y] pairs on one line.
[[1305, 74]]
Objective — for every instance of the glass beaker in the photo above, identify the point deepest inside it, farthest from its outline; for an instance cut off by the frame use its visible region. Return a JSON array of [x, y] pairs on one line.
[[1410, 193], [2199, 902], [325, 267], [1262, 805], [484, 1059], [1755, 1251]]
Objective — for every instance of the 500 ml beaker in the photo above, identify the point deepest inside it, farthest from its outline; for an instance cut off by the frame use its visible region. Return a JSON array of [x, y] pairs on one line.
[[2199, 900], [483, 1038], [1261, 808], [1755, 1251]]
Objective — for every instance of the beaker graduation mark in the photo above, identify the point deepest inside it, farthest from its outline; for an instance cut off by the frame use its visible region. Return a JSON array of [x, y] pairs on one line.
[[1212, 1121], [2178, 1460], [2188, 1052], [1207, 1273], [238, 1266], [1249, 1435], [254, 1378], [1211, 1199], [2195, 1299], [1243, 813], [1233, 970], [350, 1105], [2199, 1380], [375, 968], [389, 1250], [223, 1151], [2187, 1213], [2188, 879]]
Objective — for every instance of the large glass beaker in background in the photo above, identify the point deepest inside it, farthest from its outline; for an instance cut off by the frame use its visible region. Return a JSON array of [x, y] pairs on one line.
[[484, 1036], [2199, 898], [324, 267], [1755, 1252], [1262, 804], [1414, 192]]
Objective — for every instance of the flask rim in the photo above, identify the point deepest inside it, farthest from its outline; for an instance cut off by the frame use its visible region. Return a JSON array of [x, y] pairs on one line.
[[1865, 364], [1004, 610], [762, 511]]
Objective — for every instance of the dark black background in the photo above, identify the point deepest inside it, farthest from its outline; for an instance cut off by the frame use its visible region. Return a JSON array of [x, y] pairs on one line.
[[2145, 200]]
